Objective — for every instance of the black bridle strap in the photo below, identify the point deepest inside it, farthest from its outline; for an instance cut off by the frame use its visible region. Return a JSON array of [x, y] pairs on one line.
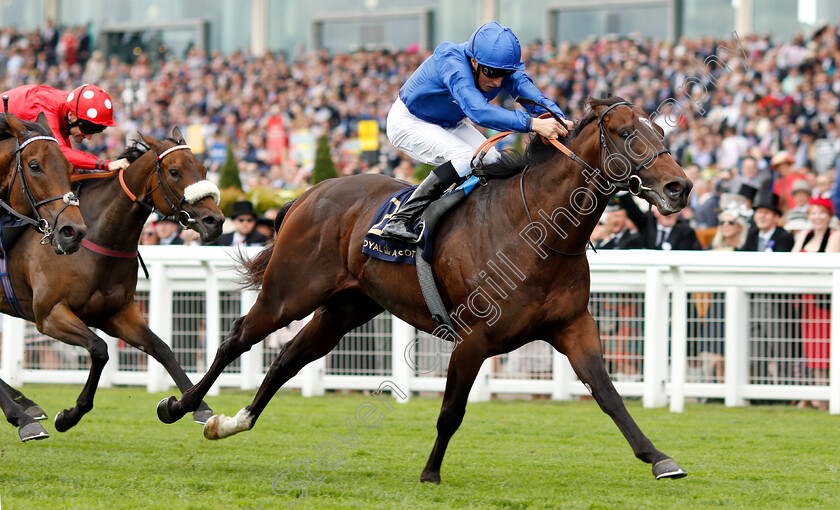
[[38, 223]]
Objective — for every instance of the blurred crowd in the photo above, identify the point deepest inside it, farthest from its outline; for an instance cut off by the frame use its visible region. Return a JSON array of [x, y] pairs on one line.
[[764, 115]]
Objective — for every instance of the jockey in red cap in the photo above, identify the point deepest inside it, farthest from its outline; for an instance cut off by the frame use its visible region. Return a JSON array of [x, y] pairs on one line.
[[80, 114]]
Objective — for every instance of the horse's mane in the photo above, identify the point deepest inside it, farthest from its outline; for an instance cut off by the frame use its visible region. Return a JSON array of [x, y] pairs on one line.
[[33, 127], [513, 162], [137, 148]]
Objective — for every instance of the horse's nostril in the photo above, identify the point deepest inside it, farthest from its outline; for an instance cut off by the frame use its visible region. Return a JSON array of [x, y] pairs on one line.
[[673, 188], [67, 232], [209, 221]]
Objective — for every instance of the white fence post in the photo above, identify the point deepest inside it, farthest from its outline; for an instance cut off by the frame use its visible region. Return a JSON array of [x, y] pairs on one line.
[[212, 326], [106, 380], [251, 362], [678, 341], [312, 375], [834, 349], [736, 346], [561, 376], [160, 321], [13, 350], [480, 392], [656, 339], [402, 335]]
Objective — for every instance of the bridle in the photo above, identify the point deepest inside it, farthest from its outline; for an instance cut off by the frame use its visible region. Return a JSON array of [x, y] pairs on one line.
[[175, 203], [38, 223], [607, 149]]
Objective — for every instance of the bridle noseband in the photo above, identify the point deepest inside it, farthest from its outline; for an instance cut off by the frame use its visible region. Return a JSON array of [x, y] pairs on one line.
[[633, 183], [38, 223], [182, 216]]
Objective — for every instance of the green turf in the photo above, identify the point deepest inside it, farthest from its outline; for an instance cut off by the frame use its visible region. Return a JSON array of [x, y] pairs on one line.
[[523, 454]]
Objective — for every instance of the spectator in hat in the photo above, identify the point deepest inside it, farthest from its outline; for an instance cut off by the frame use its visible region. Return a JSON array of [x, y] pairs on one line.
[[265, 226], [149, 234], [619, 236], [816, 313], [244, 223], [658, 231], [801, 195], [732, 231], [750, 174], [767, 236], [782, 164], [168, 232]]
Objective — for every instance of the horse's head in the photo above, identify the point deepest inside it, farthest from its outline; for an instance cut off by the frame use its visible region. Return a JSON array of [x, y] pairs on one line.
[[181, 188], [634, 155], [36, 182]]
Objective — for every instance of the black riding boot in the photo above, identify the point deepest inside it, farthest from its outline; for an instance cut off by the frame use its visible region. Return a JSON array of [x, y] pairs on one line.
[[432, 187]]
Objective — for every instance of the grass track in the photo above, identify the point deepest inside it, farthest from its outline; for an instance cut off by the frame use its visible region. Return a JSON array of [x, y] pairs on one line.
[[535, 454]]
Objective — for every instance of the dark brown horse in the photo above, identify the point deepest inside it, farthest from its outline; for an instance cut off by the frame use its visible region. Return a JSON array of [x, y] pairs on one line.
[[95, 288], [316, 264], [35, 183]]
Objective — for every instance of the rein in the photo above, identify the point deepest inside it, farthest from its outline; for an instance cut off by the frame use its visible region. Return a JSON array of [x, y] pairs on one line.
[[38, 223], [633, 183]]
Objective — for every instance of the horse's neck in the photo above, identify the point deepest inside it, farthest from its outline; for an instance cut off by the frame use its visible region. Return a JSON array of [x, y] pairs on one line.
[[565, 200], [7, 167], [113, 218]]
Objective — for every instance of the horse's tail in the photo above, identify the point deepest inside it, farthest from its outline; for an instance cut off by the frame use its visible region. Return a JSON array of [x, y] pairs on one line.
[[251, 271]]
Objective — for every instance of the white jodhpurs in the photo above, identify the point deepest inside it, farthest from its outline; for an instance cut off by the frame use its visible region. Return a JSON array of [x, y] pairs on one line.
[[433, 144]]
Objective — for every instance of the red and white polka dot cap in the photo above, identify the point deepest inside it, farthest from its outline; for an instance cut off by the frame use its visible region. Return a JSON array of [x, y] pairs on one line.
[[92, 104]]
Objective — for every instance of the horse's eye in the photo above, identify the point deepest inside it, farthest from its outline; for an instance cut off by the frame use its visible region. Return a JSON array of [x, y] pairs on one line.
[[173, 171], [35, 165], [624, 134]]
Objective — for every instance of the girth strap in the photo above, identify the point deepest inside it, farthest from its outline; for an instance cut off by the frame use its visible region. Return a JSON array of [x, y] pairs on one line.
[[432, 296]]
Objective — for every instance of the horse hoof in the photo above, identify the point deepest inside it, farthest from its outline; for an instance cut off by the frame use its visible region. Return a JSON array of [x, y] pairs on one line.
[[430, 478], [62, 422], [668, 468], [211, 427], [32, 431], [202, 415], [163, 410], [36, 412]]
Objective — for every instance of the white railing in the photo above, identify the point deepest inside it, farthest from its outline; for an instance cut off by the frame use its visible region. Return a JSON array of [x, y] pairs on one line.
[[667, 319]]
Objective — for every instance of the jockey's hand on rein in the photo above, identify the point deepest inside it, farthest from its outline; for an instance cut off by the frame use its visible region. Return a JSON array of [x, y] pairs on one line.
[[118, 164], [548, 128]]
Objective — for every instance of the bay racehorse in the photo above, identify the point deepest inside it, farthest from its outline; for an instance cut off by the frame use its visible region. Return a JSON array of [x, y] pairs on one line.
[[540, 222], [35, 185], [95, 287]]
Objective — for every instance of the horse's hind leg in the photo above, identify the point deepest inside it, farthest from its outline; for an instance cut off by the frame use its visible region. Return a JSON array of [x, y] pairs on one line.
[[463, 367], [28, 428], [29, 407], [581, 343], [62, 324], [130, 326], [266, 316], [330, 323]]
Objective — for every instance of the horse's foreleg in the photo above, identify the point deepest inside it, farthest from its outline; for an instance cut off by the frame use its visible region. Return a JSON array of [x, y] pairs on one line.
[[129, 325], [62, 324], [29, 407], [260, 321], [28, 428], [582, 344], [329, 324], [463, 367]]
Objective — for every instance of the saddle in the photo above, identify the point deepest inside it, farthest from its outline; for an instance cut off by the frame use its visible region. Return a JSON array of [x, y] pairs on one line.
[[420, 254]]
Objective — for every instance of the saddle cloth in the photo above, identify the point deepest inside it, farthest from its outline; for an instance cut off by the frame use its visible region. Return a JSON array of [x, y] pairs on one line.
[[397, 251]]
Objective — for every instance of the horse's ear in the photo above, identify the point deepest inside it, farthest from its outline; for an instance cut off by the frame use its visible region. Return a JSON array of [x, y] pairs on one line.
[[42, 121], [177, 136], [16, 127], [154, 143]]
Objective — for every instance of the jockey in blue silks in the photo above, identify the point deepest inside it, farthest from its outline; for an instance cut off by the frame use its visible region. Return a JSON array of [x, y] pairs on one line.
[[430, 119]]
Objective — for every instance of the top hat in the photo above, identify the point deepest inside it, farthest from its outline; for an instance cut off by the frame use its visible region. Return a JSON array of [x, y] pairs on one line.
[[768, 200], [613, 205], [748, 191], [243, 208]]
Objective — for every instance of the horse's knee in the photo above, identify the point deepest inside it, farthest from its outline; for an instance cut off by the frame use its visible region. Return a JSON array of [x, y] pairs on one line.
[[99, 353]]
